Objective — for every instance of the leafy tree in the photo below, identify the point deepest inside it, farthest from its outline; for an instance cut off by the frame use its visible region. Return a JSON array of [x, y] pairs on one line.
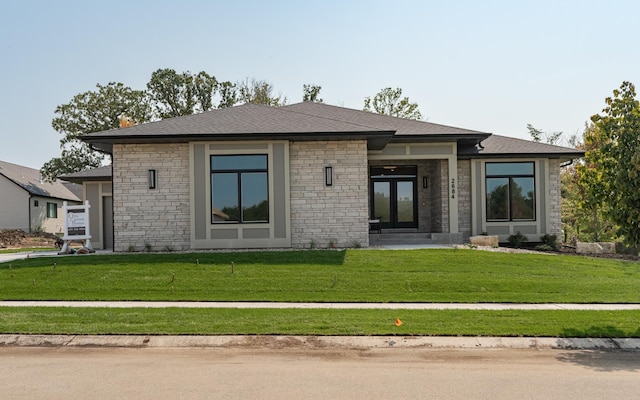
[[389, 102], [259, 92], [175, 94], [615, 157], [537, 135], [228, 94], [311, 93], [92, 111]]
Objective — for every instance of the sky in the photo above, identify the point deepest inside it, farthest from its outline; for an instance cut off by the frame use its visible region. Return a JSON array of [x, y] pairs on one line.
[[493, 66]]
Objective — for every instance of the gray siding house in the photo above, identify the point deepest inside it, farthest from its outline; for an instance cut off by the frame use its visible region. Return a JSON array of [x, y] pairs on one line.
[[29, 203], [311, 174]]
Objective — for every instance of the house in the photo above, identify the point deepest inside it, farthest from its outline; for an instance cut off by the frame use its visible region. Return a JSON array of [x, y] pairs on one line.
[[311, 174], [29, 203]]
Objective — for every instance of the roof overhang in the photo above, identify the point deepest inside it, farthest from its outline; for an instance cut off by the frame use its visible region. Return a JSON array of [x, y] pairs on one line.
[[376, 140]]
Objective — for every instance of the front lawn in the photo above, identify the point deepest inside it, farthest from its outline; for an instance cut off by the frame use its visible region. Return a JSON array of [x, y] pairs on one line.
[[432, 275]]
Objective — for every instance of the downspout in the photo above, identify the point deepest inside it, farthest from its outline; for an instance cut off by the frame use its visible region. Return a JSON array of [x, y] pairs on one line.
[[566, 164], [29, 212]]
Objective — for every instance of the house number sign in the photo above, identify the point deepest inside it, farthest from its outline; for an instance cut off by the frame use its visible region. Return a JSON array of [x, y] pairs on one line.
[[453, 188]]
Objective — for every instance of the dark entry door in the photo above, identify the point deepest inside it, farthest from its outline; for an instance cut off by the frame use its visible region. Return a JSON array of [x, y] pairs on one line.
[[393, 197]]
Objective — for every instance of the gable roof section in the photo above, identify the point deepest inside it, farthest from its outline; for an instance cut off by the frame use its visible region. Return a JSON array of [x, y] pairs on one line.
[[29, 180], [496, 146]]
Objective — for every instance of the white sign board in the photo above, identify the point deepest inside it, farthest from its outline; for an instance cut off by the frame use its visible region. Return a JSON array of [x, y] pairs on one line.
[[76, 224]]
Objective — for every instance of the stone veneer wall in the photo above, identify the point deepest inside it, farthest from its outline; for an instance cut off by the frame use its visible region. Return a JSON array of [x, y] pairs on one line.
[[322, 214], [158, 217], [555, 200], [440, 198], [464, 198]]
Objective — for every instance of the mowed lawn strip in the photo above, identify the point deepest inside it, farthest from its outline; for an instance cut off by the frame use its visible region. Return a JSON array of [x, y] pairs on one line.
[[180, 321], [431, 275]]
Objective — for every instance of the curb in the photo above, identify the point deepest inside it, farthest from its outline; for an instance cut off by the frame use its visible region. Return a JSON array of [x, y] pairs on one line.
[[319, 342]]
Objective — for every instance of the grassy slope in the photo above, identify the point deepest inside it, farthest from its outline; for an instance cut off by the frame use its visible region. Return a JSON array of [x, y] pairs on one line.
[[325, 276]]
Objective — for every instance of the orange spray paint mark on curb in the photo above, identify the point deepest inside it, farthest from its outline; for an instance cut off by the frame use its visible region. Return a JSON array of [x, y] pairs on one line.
[[398, 322]]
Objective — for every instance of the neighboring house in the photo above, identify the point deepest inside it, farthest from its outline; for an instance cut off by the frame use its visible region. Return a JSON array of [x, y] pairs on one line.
[[311, 174], [29, 203]]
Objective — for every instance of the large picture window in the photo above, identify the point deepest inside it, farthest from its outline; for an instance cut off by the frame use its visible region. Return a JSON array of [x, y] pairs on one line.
[[239, 189], [511, 191]]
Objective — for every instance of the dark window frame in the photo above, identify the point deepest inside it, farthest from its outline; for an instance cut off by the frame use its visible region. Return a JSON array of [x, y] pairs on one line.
[[510, 184], [239, 173]]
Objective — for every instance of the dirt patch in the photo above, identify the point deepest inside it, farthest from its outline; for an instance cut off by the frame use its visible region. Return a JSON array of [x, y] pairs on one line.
[[18, 239]]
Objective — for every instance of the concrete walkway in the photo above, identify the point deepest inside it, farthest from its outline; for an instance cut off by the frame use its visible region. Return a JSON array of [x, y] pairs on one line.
[[359, 306]]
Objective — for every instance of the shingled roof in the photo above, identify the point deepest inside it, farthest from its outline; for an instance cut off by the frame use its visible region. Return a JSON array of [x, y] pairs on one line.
[[301, 121], [317, 121], [30, 180], [502, 146], [96, 174]]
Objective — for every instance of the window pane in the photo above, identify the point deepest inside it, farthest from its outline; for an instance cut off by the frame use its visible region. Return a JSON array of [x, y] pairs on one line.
[[509, 169], [522, 195], [404, 198], [52, 210], [239, 162], [224, 197], [497, 199], [382, 201], [255, 197]]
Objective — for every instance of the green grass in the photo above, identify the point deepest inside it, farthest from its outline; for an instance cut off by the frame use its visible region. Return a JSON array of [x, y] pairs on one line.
[[325, 276], [177, 321]]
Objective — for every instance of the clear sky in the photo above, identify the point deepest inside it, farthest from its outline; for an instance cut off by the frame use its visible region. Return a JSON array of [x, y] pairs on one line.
[[493, 66]]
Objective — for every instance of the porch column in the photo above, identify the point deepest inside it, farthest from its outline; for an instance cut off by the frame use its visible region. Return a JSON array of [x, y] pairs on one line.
[[453, 193]]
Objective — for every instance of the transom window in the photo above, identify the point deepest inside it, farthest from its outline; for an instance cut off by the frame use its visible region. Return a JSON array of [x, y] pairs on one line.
[[511, 191], [239, 189]]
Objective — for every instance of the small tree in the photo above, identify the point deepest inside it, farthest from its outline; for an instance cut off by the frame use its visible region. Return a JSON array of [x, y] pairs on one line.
[[259, 92], [311, 93], [390, 102]]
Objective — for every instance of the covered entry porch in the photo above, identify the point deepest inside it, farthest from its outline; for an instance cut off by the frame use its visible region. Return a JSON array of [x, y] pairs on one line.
[[413, 195]]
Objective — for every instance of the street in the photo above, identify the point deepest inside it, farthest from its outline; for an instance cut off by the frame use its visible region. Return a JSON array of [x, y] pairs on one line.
[[331, 373]]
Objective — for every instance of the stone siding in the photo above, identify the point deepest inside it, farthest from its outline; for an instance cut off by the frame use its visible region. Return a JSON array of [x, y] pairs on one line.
[[555, 200], [439, 198], [157, 217], [321, 214], [464, 198]]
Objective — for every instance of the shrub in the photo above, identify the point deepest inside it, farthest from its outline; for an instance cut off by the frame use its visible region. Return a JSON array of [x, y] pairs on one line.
[[517, 240], [550, 241]]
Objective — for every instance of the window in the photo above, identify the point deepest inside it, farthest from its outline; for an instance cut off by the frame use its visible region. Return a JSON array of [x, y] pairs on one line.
[[239, 189], [35, 203], [511, 191], [52, 210]]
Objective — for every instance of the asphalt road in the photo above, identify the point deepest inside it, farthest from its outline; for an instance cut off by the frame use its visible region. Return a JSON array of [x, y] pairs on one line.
[[330, 373]]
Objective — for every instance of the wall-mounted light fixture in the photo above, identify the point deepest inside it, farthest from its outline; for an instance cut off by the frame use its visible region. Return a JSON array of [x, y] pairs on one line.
[[152, 179], [328, 176], [425, 182]]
